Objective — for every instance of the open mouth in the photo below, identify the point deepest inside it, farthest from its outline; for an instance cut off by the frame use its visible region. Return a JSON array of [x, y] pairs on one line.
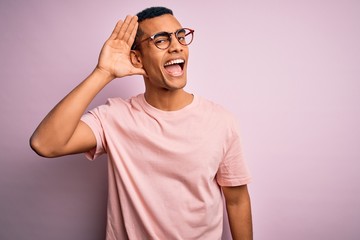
[[175, 67]]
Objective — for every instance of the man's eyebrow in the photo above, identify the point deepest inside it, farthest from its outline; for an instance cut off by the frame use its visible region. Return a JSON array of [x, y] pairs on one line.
[[161, 34]]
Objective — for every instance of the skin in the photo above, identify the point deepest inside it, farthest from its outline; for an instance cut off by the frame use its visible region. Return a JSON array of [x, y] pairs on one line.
[[62, 132], [163, 90], [238, 206]]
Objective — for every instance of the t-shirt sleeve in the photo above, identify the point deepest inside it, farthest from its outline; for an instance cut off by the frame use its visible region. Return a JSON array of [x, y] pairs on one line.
[[92, 119], [233, 170]]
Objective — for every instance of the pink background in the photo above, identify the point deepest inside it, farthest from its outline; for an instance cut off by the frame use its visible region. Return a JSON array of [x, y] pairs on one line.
[[289, 70]]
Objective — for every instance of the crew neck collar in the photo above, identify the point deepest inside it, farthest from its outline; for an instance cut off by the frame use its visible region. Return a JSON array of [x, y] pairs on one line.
[[149, 108]]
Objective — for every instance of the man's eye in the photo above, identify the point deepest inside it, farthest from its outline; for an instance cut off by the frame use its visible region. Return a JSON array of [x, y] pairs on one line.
[[161, 40], [181, 39]]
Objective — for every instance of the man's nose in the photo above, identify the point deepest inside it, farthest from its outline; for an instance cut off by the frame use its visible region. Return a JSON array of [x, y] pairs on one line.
[[175, 45]]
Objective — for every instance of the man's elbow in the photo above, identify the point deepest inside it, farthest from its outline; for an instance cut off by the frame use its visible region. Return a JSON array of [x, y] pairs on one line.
[[40, 148]]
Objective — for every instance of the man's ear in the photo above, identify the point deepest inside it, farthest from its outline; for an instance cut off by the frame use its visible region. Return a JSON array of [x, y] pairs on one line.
[[135, 58]]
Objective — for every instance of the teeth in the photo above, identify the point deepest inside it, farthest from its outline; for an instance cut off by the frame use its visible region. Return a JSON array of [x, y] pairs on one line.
[[175, 61]]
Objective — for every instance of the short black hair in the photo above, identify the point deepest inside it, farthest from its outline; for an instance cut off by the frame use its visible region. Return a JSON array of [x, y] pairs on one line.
[[148, 13], [152, 12]]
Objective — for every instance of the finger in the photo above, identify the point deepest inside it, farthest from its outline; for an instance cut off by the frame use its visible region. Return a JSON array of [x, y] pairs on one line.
[[132, 28], [132, 35], [116, 29], [124, 27]]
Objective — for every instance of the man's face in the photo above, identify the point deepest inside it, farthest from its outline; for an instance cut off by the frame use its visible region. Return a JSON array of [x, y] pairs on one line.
[[163, 72]]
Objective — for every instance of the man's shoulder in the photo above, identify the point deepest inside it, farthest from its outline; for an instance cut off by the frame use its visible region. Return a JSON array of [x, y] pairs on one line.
[[115, 104], [122, 102], [214, 106]]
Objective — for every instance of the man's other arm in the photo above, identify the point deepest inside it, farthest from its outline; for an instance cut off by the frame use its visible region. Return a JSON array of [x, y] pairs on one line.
[[239, 212]]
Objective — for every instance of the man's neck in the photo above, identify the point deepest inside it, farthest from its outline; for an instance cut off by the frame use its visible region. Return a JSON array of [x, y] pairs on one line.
[[169, 100]]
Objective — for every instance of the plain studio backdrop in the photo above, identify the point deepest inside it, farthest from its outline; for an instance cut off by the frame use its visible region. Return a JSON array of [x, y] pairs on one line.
[[288, 70]]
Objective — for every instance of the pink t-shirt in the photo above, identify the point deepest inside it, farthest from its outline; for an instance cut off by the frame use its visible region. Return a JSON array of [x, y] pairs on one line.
[[165, 167]]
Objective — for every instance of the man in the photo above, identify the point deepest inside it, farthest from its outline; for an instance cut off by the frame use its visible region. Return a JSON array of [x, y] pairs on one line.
[[171, 154]]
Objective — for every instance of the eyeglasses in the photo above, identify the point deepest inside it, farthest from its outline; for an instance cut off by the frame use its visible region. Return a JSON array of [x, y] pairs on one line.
[[162, 40]]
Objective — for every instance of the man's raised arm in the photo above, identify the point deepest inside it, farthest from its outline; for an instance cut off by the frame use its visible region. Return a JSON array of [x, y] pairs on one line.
[[61, 132]]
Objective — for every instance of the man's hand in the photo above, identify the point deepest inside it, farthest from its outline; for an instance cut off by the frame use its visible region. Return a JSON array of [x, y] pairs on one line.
[[114, 58]]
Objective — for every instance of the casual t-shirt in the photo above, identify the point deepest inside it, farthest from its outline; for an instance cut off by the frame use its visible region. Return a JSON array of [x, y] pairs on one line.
[[165, 168]]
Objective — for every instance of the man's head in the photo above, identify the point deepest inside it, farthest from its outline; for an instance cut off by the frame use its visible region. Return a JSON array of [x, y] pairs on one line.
[[161, 49], [147, 14]]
